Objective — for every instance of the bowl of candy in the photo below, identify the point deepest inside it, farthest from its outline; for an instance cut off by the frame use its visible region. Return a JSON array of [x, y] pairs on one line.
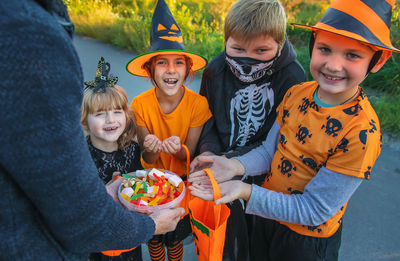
[[150, 190]]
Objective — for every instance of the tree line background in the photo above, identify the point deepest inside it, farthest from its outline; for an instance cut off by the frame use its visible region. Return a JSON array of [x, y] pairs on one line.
[[126, 24]]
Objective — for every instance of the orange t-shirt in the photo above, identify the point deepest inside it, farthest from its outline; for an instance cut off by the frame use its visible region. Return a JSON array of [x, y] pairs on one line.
[[345, 139], [192, 111]]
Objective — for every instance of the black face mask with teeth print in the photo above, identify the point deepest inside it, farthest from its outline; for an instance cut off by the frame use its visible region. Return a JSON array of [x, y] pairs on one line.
[[247, 69]]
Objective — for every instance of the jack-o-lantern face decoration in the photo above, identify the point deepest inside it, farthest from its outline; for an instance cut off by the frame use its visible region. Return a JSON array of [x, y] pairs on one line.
[[165, 31], [165, 38], [172, 34]]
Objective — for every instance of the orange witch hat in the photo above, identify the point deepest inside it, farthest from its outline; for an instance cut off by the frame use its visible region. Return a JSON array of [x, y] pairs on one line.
[[367, 21], [165, 38]]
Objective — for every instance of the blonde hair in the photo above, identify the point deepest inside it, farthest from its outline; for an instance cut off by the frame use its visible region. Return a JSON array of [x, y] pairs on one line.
[[248, 19], [149, 66], [114, 98]]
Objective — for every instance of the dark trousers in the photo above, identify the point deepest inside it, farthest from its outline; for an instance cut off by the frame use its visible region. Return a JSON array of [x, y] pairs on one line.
[[236, 247], [272, 241], [182, 230]]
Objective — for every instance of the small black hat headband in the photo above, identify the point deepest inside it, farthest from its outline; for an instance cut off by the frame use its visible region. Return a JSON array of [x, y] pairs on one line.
[[102, 80]]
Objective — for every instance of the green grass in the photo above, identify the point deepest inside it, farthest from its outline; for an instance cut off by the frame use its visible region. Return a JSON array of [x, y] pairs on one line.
[[387, 107], [126, 24]]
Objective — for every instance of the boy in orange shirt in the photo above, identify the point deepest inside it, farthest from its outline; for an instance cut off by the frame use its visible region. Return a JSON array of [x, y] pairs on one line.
[[324, 142], [169, 116]]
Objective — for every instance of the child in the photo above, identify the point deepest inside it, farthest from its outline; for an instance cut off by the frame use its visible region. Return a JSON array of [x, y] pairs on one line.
[[324, 142], [244, 85], [110, 131], [248, 80], [169, 115]]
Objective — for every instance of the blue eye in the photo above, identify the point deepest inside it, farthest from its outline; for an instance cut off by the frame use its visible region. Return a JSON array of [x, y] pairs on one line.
[[353, 55], [324, 49]]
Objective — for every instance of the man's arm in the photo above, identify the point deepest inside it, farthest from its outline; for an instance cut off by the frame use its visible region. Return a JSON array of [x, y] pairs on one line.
[[43, 146]]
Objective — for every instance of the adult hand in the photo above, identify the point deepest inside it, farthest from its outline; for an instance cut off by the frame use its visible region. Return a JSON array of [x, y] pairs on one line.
[[116, 175], [223, 169], [152, 144], [166, 220], [230, 191], [197, 163], [112, 187], [171, 145]]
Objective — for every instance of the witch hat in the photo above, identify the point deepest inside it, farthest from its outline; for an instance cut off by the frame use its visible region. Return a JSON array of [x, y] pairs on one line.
[[166, 38], [102, 79], [367, 21]]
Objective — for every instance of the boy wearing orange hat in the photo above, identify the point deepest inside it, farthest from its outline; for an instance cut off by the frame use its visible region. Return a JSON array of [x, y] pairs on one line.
[[323, 143]]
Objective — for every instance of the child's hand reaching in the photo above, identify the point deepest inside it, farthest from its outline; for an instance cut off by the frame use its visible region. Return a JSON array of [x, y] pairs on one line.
[[171, 145], [197, 164], [224, 169], [152, 144], [230, 190]]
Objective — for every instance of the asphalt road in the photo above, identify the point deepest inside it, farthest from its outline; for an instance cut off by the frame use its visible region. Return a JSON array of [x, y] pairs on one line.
[[371, 225]]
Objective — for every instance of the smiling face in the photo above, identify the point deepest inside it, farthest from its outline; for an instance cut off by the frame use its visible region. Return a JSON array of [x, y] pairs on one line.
[[169, 74], [339, 64], [262, 48], [105, 127]]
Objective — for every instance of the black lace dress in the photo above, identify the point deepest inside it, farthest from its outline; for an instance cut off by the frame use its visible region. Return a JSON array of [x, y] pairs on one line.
[[107, 163], [124, 161]]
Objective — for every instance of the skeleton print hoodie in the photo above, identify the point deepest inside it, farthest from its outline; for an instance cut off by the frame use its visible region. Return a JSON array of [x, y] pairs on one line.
[[244, 111]]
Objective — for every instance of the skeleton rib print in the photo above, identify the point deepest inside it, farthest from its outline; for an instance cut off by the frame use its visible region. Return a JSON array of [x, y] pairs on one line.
[[249, 108]]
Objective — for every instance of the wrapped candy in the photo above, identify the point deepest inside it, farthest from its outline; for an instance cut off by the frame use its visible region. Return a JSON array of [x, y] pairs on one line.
[[128, 191], [155, 174], [141, 173]]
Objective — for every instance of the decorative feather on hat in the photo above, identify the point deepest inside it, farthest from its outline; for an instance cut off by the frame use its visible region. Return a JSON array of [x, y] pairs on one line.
[[102, 80], [367, 21], [165, 38]]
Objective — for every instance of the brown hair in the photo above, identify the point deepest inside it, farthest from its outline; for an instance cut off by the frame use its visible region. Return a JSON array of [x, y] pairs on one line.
[[149, 66], [114, 98], [248, 19]]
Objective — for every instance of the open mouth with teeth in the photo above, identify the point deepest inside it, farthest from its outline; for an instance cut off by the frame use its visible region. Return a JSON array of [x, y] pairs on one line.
[[111, 128], [170, 81], [332, 78]]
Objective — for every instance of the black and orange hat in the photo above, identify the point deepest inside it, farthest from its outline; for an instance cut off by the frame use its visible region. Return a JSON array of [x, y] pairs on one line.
[[367, 21], [165, 38]]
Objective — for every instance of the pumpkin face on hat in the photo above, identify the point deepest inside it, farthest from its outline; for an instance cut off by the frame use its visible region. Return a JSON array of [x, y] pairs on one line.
[[173, 34], [165, 31], [165, 38]]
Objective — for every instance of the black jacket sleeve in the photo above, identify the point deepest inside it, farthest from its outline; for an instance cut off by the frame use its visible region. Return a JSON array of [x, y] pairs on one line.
[[209, 138]]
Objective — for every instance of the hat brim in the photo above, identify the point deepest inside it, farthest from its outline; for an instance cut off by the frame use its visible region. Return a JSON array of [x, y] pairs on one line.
[[326, 28], [135, 66]]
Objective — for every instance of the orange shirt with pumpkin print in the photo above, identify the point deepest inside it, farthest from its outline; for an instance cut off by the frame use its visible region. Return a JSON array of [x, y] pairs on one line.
[[345, 139], [192, 111]]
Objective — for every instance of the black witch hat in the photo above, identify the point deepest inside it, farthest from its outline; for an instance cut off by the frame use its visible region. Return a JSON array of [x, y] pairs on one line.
[[165, 38]]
